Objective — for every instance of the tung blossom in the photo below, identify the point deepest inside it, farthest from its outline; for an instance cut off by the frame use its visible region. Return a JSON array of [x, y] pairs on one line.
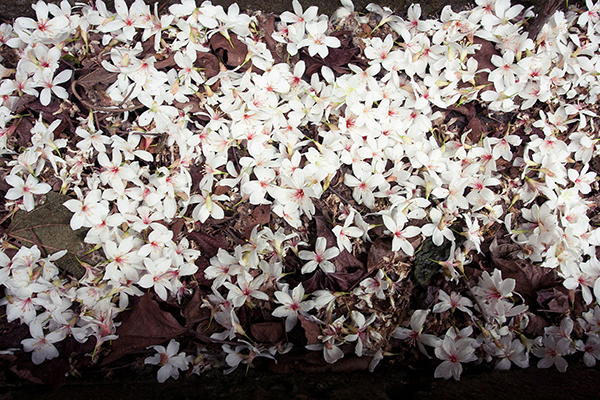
[[171, 362], [414, 335], [317, 41], [42, 345], [453, 352], [291, 306], [320, 257], [25, 189]]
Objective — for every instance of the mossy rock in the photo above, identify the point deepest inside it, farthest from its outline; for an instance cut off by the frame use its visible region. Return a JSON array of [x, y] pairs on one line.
[[47, 226]]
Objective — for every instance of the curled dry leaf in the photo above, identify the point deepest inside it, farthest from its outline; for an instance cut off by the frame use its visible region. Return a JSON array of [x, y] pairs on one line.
[[231, 52]]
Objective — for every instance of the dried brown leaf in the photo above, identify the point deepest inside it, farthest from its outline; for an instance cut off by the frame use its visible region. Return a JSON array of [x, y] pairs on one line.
[[208, 63], [380, 252], [267, 332], [530, 279], [193, 312], [96, 76], [311, 330], [144, 325], [209, 245], [233, 54]]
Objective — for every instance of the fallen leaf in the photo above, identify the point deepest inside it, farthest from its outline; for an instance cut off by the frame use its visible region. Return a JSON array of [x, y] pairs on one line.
[[142, 326], [209, 245], [484, 60], [233, 54], [311, 330], [208, 64], [474, 124], [424, 265], [267, 332], [261, 215], [98, 75], [380, 252], [267, 25], [555, 299], [193, 312], [23, 132], [529, 278]]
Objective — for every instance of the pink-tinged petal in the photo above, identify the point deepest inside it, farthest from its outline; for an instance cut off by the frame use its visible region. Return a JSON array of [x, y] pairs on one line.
[[27, 23], [37, 357], [430, 340], [418, 319], [330, 253], [306, 255], [281, 312], [172, 348], [153, 360], [283, 298], [328, 267], [290, 322], [77, 221], [73, 205], [332, 354], [503, 365], [402, 333], [161, 291], [145, 118]]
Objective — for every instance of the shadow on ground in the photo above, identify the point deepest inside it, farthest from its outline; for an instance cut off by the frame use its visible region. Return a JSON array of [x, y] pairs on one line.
[[386, 383]]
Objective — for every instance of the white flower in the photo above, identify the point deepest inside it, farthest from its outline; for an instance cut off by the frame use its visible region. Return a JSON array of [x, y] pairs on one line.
[[291, 305], [453, 352], [591, 350], [452, 302], [42, 345], [415, 335], [50, 85], [320, 257], [158, 276], [344, 233], [364, 184], [300, 18], [246, 287], [439, 228], [377, 285], [89, 212], [25, 189], [171, 362], [492, 288], [400, 233], [551, 353], [317, 42]]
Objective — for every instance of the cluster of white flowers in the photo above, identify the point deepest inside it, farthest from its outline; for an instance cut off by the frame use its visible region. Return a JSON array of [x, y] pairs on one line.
[[375, 131]]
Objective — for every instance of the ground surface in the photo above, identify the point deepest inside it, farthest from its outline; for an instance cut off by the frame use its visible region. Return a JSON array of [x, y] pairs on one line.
[[385, 383]]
